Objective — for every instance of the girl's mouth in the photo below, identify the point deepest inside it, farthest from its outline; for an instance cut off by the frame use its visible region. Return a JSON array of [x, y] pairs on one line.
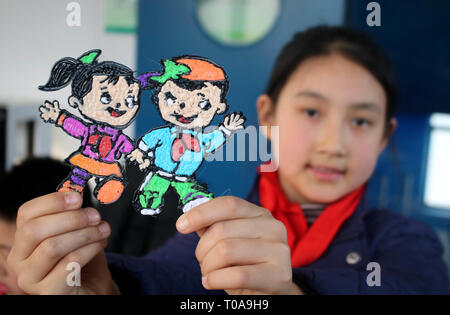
[[184, 120], [115, 112], [325, 173]]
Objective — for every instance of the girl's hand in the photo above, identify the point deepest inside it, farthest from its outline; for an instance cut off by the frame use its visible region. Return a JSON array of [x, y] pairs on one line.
[[53, 232], [234, 122], [242, 248], [50, 111], [138, 156]]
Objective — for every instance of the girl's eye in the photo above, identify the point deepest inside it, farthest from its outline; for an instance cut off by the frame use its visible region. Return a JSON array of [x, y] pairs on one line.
[[105, 98], [204, 104], [130, 101], [311, 112], [361, 122], [170, 99]]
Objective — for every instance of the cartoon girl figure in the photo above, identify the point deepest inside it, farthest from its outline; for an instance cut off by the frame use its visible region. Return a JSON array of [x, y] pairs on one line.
[[188, 93], [106, 94]]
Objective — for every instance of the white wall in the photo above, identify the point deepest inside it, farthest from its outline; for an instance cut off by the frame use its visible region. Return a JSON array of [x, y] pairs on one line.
[[34, 35]]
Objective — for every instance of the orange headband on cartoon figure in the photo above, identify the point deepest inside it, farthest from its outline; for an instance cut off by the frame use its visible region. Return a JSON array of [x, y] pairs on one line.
[[201, 70]]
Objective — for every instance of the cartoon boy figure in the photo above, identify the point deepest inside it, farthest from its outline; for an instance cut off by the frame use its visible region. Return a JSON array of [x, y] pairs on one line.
[[106, 94], [189, 93]]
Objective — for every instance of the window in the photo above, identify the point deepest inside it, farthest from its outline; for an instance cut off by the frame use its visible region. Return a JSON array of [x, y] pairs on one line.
[[437, 182]]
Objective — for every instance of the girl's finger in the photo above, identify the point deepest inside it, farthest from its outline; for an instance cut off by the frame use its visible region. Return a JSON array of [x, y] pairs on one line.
[[48, 204], [241, 251], [49, 252], [56, 280], [201, 232], [264, 277], [32, 233], [225, 208], [264, 228]]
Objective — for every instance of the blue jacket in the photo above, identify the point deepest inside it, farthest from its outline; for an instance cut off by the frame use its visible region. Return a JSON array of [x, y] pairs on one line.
[[407, 253]]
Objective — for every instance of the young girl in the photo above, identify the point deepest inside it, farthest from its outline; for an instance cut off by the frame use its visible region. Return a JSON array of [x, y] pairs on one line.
[[305, 228]]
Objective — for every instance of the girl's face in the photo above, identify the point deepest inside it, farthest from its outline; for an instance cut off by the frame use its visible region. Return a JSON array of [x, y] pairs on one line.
[[331, 117]]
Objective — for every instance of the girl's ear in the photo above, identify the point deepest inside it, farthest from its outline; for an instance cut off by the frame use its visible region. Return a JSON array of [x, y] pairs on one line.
[[266, 112], [393, 123], [74, 102]]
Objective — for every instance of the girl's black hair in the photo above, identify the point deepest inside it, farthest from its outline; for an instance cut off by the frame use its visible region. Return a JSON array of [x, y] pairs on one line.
[[81, 73], [325, 40]]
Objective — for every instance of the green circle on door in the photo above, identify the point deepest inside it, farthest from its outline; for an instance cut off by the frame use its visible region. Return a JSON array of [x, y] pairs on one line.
[[237, 22]]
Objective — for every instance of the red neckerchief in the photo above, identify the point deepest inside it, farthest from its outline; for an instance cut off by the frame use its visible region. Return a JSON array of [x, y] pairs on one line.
[[307, 245]]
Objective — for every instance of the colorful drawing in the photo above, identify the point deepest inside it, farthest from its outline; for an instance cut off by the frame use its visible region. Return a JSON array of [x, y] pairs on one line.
[[106, 95], [189, 92]]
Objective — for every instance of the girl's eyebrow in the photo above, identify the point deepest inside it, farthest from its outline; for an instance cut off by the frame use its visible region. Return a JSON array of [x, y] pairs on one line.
[[366, 105], [312, 94], [103, 88], [362, 105], [201, 94]]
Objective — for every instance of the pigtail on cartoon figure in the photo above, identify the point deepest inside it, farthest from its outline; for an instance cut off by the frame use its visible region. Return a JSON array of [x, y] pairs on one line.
[[188, 93], [106, 95]]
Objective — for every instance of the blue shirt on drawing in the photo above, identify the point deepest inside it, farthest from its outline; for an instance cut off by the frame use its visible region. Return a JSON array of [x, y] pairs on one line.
[[160, 141]]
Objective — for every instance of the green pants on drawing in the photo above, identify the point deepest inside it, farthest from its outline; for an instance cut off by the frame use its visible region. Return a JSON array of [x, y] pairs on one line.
[[157, 186]]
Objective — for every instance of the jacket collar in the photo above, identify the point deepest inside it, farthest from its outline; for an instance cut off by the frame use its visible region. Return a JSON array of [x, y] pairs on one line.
[[350, 229]]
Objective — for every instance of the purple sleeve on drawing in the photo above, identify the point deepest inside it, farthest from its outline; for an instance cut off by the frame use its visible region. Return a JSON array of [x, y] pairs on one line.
[[125, 146], [73, 126]]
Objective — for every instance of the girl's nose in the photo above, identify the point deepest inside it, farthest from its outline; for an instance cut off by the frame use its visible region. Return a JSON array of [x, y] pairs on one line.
[[332, 141], [117, 105], [182, 105]]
